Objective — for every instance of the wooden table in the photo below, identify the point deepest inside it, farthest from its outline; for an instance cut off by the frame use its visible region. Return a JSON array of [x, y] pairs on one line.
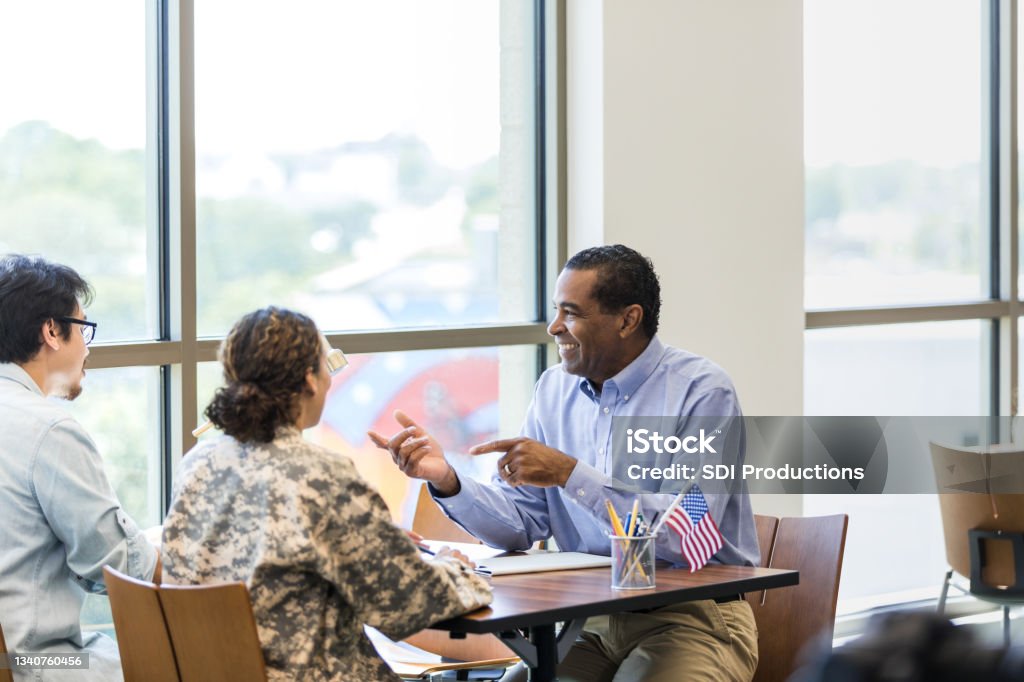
[[527, 607]]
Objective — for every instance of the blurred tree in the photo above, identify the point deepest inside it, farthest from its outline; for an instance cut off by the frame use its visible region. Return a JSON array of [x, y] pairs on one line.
[[77, 202]]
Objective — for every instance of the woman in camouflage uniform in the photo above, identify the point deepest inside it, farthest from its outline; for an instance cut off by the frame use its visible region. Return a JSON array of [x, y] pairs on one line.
[[311, 539]]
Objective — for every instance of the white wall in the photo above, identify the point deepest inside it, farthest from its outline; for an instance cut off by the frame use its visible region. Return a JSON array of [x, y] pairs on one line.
[[685, 141]]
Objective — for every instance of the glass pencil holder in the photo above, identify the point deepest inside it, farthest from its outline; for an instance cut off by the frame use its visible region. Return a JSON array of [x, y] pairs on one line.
[[632, 562]]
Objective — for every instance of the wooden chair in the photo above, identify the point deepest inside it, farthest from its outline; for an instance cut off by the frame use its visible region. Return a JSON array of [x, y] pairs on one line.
[[146, 652], [766, 527], [983, 522], [5, 673], [213, 632], [789, 617], [430, 522], [475, 651]]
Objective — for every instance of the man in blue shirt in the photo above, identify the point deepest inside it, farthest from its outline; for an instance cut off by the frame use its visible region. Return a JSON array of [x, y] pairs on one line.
[[62, 520], [554, 479]]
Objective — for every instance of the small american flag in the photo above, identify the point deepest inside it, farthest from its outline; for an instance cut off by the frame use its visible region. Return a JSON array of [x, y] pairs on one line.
[[698, 534]]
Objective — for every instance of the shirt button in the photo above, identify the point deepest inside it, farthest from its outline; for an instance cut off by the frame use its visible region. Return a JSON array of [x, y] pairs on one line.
[[606, 410], [581, 492], [626, 398], [600, 451]]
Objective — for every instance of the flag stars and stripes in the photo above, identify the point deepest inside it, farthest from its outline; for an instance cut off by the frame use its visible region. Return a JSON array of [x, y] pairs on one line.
[[699, 537]]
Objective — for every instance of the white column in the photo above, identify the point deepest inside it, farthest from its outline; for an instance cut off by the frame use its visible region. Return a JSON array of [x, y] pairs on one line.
[[685, 141]]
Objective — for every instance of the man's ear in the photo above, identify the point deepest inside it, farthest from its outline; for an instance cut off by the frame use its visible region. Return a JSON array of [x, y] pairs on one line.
[[632, 316], [50, 335]]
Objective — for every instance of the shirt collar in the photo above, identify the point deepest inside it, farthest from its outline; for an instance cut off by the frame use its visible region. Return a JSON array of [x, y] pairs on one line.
[[632, 375], [13, 372], [286, 431]]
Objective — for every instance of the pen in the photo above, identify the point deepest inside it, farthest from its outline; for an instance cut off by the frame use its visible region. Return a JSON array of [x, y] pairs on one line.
[[632, 518]]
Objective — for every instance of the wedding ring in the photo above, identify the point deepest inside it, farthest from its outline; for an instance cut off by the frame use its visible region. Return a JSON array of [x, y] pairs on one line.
[[507, 470]]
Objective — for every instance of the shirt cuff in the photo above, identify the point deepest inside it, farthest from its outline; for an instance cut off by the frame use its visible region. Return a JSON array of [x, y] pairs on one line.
[[462, 501], [586, 487], [142, 556]]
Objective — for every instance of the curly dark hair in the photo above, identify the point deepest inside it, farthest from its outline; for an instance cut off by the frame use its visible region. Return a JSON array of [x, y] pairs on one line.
[[265, 359], [32, 291], [625, 277]]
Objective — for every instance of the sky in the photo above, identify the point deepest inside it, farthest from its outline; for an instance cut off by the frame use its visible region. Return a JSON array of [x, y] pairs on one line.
[[293, 76], [892, 79]]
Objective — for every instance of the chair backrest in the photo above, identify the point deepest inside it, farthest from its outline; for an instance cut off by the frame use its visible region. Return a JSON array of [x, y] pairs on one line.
[[146, 651], [789, 617], [430, 522], [213, 632], [766, 527], [5, 673], [976, 475]]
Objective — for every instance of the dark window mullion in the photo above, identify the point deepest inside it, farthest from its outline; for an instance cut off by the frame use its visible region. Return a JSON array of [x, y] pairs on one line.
[[993, 189], [164, 246]]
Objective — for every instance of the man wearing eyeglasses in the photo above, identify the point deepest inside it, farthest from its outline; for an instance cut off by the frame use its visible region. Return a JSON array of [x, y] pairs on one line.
[[62, 521]]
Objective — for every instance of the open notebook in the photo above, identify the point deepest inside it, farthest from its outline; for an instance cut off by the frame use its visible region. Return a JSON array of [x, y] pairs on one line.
[[499, 562], [411, 662]]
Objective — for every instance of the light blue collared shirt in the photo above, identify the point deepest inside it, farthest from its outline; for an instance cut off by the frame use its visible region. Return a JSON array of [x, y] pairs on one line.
[[569, 415], [62, 523]]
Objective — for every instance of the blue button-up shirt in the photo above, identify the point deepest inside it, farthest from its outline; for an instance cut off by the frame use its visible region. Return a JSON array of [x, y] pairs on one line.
[[569, 415], [61, 524]]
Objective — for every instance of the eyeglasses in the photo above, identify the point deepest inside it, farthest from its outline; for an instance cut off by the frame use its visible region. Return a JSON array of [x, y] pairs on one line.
[[336, 360], [88, 328]]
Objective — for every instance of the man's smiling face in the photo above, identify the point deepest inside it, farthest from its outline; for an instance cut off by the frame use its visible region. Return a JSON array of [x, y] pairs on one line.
[[589, 342]]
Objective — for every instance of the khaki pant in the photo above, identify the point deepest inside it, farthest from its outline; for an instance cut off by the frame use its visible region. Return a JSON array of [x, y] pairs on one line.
[[690, 641]]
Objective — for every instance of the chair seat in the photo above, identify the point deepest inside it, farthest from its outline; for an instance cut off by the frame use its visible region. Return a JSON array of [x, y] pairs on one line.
[[984, 530]]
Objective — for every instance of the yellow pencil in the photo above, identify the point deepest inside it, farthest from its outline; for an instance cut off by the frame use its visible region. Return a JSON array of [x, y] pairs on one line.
[[620, 531], [616, 524]]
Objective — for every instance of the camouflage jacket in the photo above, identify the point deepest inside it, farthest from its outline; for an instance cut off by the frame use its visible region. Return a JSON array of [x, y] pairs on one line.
[[317, 549]]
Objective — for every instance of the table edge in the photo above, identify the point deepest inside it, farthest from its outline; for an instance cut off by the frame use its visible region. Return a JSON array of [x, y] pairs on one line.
[[460, 624]]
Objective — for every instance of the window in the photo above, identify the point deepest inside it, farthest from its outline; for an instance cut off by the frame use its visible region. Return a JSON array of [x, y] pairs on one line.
[[73, 153], [911, 227], [381, 166], [893, 153], [370, 167]]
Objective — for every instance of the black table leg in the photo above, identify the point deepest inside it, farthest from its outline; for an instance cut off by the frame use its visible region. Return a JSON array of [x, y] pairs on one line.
[[543, 650], [543, 637]]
